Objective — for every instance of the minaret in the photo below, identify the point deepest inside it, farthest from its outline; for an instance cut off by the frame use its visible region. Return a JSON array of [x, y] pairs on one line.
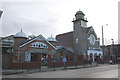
[[52, 40], [19, 38]]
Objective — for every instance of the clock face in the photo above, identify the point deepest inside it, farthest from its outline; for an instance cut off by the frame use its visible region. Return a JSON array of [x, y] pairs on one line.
[[83, 23], [92, 39]]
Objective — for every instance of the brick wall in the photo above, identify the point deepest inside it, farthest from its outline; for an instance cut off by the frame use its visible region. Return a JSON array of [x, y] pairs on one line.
[[69, 62], [20, 65], [78, 60]]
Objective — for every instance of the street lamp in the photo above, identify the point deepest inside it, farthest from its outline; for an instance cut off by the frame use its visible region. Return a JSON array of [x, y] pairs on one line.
[[113, 55], [1, 13], [112, 41]]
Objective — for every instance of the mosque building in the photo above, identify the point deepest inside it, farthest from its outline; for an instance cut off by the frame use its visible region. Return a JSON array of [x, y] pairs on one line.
[[83, 39], [30, 49], [33, 51]]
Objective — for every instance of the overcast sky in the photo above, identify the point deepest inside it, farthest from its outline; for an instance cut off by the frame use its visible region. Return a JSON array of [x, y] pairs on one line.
[[54, 17]]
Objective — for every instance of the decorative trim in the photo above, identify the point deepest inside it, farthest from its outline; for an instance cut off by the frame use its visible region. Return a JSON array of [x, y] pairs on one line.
[[36, 39]]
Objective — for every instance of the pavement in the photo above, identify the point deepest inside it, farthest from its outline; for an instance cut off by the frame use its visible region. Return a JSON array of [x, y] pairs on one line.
[[46, 69], [101, 71]]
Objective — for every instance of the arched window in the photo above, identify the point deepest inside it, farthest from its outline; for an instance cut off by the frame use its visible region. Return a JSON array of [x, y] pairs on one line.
[[39, 45], [76, 40], [91, 56]]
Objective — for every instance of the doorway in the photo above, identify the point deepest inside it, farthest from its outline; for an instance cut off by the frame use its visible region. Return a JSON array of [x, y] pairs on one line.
[[44, 59], [34, 57]]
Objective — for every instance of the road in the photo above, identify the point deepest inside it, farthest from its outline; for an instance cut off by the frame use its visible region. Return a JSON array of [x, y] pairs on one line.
[[104, 71]]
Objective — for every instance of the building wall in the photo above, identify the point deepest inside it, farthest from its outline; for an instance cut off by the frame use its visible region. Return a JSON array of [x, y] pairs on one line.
[[109, 50], [81, 46], [97, 42], [5, 61], [23, 65], [65, 39], [18, 41], [83, 43], [34, 50]]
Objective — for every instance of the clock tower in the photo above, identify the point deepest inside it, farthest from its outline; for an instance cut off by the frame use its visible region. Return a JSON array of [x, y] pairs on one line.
[[80, 19], [85, 40], [79, 33]]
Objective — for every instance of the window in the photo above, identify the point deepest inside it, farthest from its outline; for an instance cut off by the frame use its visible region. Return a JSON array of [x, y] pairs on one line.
[[76, 40], [27, 57], [39, 45], [33, 45], [34, 57]]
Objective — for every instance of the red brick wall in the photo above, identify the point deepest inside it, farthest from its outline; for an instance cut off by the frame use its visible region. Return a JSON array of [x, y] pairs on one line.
[[20, 65], [69, 63], [37, 64]]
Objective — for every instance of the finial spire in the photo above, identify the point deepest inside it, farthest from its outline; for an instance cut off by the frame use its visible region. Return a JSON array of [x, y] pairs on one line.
[[51, 35], [21, 29], [79, 9]]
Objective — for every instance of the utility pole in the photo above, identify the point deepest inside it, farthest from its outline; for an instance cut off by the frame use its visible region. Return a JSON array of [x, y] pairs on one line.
[[103, 40], [102, 37]]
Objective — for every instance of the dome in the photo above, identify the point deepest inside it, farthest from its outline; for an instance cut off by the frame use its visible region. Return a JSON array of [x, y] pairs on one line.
[[79, 12], [51, 39], [20, 34], [79, 15], [32, 36]]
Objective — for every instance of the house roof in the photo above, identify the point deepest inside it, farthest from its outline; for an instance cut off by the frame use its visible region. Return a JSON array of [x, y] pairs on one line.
[[8, 37], [36, 39]]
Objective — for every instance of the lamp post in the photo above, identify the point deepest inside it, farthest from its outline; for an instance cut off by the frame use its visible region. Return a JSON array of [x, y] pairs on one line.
[[113, 55], [103, 39], [1, 13]]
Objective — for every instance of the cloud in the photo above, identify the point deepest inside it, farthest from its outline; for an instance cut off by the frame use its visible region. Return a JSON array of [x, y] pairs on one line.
[[32, 17], [48, 17]]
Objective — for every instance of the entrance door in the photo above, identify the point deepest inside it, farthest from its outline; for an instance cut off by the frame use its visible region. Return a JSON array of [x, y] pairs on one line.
[[44, 60], [34, 57]]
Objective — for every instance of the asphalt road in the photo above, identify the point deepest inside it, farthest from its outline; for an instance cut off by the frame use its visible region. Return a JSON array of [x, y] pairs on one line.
[[104, 71]]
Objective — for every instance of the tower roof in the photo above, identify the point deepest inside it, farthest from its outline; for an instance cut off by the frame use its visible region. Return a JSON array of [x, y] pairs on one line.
[[79, 15], [79, 12]]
